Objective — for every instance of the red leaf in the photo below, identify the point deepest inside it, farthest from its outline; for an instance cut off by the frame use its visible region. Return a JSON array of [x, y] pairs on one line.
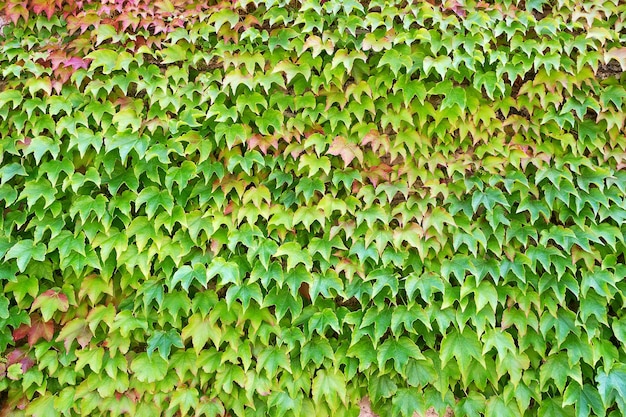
[[347, 150], [43, 6], [37, 330], [24, 143], [457, 8], [376, 140], [63, 301], [76, 63], [15, 11], [19, 356], [378, 173], [262, 142]]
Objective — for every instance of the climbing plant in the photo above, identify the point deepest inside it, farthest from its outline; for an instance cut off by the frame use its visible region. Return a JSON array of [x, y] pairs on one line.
[[278, 208]]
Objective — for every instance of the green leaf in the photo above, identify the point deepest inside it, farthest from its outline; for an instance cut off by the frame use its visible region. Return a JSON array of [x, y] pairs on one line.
[[185, 275], [228, 271], [320, 321], [126, 142], [34, 190], [295, 255], [553, 407], [105, 58], [201, 330], [454, 97], [42, 406], [498, 407], [557, 368], [400, 351], [330, 385], [9, 171], [174, 53], [613, 94], [395, 60], [163, 341], [93, 357], [612, 387], [272, 358], [244, 293], [149, 368], [124, 118], [441, 65], [585, 398], [408, 402], [180, 175], [464, 346], [25, 250], [66, 243], [316, 351], [153, 198]]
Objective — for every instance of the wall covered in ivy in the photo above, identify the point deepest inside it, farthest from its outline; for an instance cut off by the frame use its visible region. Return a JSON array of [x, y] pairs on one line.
[[272, 208]]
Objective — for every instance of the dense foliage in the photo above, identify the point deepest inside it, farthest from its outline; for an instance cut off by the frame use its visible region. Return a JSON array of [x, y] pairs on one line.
[[279, 208]]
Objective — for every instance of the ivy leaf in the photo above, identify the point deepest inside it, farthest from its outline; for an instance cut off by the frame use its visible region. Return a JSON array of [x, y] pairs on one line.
[[409, 402], [383, 386], [229, 374], [127, 116], [186, 275], [66, 243], [498, 407], [553, 407], [329, 385], [263, 252], [320, 321], [395, 60], [154, 198], [471, 405], [76, 329], [108, 242], [364, 351], [174, 53], [126, 142], [270, 359], [37, 329], [244, 293], [586, 398], [201, 330], [34, 190], [163, 341], [454, 96], [558, 369], [270, 118], [400, 351], [25, 250], [618, 54], [316, 351], [185, 400], [613, 94], [441, 65], [91, 357], [228, 271], [50, 302], [612, 386], [149, 369], [438, 218], [295, 255], [9, 171], [463, 346], [105, 58], [347, 150]]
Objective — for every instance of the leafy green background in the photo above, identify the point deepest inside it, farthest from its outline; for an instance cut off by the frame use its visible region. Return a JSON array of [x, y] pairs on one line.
[[280, 208]]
